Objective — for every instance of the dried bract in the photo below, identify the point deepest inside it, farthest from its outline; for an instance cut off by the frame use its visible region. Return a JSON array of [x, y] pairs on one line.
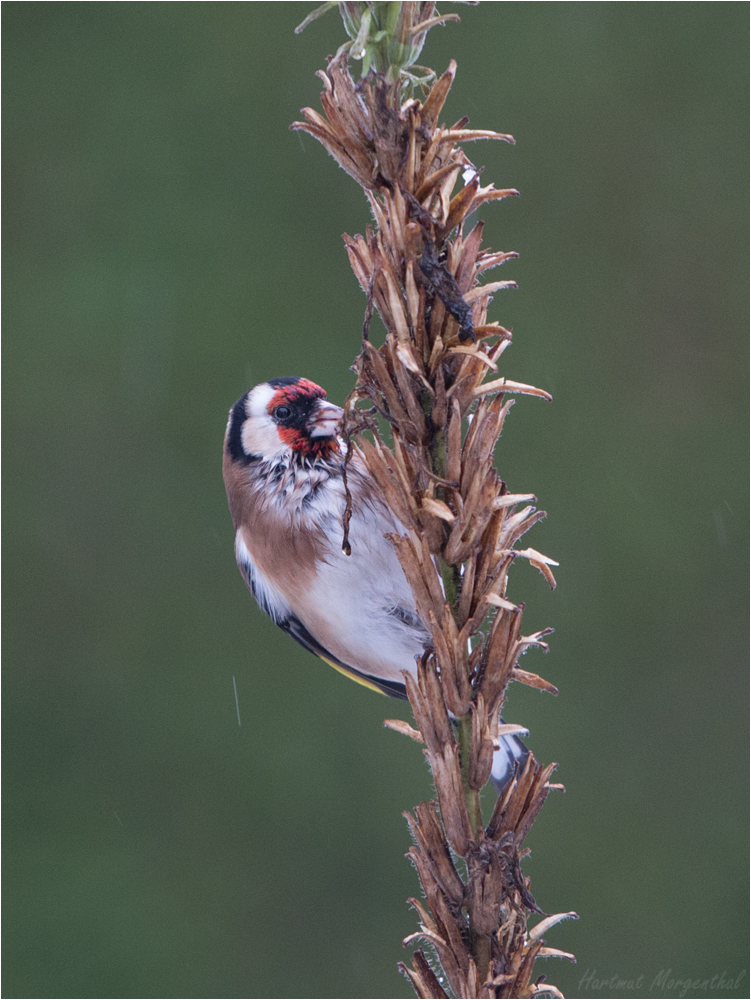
[[419, 265]]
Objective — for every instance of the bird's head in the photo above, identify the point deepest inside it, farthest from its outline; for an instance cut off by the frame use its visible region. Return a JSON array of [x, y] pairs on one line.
[[282, 419]]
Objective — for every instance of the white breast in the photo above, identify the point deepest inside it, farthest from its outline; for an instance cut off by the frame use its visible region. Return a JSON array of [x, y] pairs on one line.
[[365, 606], [358, 607]]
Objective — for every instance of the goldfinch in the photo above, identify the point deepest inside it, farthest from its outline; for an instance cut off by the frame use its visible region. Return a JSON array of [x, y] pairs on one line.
[[282, 467]]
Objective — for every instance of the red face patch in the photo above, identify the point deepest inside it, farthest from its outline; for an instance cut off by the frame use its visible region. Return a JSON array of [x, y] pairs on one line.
[[299, 441], [298, 438], [303, 388]]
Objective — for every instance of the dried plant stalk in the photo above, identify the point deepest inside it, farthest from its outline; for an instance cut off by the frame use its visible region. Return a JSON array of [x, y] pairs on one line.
[[419, 268]]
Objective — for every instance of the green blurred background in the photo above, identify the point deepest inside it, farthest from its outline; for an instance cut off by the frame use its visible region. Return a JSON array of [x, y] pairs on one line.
[[168, 243]]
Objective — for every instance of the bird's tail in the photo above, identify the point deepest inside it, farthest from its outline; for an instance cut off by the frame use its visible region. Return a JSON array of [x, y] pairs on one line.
[[512, 753]]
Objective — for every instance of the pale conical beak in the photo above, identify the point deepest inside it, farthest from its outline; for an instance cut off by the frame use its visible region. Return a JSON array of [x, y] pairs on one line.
[[324, 420]]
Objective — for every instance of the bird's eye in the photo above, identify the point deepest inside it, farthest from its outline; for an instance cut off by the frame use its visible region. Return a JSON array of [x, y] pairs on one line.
[[282, 412]]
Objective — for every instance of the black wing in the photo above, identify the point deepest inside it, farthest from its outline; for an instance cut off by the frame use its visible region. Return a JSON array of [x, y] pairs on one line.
[[294, 627]]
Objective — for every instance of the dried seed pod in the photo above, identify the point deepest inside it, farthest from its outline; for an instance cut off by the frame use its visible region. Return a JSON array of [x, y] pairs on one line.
[[460, 526]]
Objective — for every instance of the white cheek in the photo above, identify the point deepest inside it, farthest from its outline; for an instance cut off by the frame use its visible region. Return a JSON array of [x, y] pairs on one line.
[[259, 399], [261, 438]]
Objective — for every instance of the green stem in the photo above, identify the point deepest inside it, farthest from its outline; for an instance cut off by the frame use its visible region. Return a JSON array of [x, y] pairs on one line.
[[450, 574], [480, 950], [451, 583], [471, 795]]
